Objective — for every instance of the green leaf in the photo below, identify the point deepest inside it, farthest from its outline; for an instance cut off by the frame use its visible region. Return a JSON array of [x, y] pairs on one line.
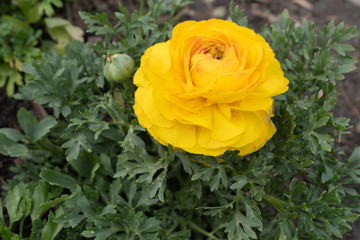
[[12, 134], [42, 199], [324, 141], [355, 155], [28, 68], [327, 175], [75, 144], [180, 235], [240, 182], [51, 228], [63, 31], [347, 34], [11, 148], [46, 6], [282, 235], [44, 127], [285, 18], [98, 233], [58, 178], [346, 68], [106, 163], [297, 188], [236, 15], [33, 11], [40, 195], [18, 202], [342, 48], [15, 78], [7, 234], [27, 122], [33, 129], [98, 23], [239, 227]]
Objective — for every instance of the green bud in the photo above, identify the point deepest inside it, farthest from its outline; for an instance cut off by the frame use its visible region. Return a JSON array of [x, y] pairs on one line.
[[118, 67]]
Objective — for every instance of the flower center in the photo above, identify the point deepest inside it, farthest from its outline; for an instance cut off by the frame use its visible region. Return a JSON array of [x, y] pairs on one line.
[[215, 51]]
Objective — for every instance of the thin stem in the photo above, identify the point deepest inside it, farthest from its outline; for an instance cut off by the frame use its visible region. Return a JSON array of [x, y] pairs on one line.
[[128, 85], [141, 10], [21, 227], [280, 205], [237, 198], [141, 7], [171, 229], [178, 176], [47, 145], [118, 35], [200, 230]]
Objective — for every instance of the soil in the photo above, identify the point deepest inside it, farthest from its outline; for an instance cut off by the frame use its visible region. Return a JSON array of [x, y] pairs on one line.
[[259, 12]]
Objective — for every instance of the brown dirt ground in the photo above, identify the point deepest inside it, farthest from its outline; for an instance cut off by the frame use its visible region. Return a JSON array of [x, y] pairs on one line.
[[259, 12]]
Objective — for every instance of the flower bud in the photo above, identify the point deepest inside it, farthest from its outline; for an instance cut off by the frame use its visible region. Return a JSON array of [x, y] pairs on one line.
[[118, 67]]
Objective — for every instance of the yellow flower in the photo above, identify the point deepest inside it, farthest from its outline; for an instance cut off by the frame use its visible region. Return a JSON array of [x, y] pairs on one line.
[[209, 89]]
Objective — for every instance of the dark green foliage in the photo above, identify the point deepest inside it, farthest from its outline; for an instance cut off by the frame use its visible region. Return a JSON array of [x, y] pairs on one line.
[[92, 171]]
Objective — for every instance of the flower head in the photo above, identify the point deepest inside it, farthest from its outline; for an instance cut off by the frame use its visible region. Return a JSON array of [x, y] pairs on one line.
[[209, 88]]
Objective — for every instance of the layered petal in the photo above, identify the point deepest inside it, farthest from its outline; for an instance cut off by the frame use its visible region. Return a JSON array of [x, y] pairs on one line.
[[209, 89]]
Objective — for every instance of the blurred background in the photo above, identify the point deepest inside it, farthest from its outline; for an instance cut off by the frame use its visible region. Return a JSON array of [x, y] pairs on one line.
[[259, 12]]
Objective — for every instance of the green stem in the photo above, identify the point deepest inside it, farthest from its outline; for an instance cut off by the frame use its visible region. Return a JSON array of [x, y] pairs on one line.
[[21, 227], [118, 35], [290, 139], [141, 7], [171, 229], [124, 124], [178, 176], [200, 230], [280, 205], [47, 145], [141, 10], [128, 85]]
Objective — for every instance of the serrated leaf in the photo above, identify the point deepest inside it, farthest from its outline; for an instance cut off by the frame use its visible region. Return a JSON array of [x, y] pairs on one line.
[[204, 173], [347, 34], [214, 184], [324, 141], [75, 144], [235, 228], [257, 192], [327, 175], [342, 48], [297, 188], [188, 166], [47, 8], [241, 181]]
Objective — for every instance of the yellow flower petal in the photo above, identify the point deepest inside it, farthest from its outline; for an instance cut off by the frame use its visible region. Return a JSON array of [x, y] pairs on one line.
[[209, 89]]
